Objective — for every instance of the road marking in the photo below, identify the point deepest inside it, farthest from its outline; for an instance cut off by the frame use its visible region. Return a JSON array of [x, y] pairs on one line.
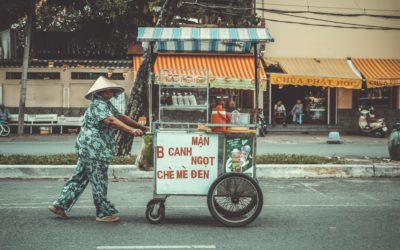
[[314, 190], [158, 247]]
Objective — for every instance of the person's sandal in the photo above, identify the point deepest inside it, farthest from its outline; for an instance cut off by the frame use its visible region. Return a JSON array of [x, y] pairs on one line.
[[58, 211], [108, 218]]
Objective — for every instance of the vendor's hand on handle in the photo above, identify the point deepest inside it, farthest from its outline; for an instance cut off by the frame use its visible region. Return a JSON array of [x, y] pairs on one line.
[[136, 132]]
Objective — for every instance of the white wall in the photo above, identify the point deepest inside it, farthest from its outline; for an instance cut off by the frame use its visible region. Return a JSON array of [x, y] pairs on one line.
[[295, 40], [50, 93]]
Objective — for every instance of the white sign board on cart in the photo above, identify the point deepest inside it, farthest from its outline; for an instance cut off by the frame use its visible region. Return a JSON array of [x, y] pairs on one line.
[[186, 163]]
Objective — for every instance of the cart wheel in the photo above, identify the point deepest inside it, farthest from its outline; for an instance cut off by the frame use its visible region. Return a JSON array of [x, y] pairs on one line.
[[235, 199], [4, 130], [155, 211]]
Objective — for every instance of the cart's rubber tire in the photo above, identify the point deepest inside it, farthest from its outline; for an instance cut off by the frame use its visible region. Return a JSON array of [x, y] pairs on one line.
[[155, 217], [5, 130], [246, 186]]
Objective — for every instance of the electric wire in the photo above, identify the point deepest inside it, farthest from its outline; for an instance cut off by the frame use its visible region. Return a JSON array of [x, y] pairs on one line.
[[303, 11], [323, 7], [338, 22], [219, 9], [330, 13], [331, 26]]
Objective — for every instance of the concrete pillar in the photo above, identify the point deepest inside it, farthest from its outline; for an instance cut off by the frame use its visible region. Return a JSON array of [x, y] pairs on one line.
[[65, 78]]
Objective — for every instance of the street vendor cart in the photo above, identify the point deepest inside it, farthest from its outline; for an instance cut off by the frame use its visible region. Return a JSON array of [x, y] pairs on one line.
[[194, 154]]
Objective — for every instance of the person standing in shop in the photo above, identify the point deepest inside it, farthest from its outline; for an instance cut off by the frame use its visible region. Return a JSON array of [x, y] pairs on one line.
[[95, 146]]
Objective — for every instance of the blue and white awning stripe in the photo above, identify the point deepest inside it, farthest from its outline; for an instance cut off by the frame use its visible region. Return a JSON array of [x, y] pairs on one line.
[[255, 35], [227, 40], [186, 46]]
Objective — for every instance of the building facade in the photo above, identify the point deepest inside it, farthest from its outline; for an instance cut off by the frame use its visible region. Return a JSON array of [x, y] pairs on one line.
[[59, 86], [314, 39]]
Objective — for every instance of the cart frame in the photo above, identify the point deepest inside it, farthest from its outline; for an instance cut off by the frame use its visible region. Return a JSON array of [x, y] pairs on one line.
[[233, 187]]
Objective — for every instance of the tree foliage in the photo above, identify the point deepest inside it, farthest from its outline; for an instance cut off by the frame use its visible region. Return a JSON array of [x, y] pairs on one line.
[[112, 24], [96, 24], [12, 11]]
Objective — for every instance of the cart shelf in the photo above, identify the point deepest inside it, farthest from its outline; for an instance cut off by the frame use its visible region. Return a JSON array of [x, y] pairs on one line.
[[185, 108]]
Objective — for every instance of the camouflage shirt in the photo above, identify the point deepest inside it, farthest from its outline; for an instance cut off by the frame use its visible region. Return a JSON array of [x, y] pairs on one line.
[[96, 140]]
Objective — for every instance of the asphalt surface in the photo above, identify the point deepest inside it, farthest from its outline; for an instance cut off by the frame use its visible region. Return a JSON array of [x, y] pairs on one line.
[[352, 146], [297, 214]]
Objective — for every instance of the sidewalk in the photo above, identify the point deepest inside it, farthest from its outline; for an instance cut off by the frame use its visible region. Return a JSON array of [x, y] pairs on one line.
[[363, 170], [273, 137], [352, 146]]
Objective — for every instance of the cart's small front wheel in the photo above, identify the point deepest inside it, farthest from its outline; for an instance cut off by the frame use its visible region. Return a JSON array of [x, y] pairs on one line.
[[235, 199], [155, 211]]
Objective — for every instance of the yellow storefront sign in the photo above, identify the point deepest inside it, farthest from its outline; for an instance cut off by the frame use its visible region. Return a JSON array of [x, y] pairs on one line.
[[347, 83], [380, 83]]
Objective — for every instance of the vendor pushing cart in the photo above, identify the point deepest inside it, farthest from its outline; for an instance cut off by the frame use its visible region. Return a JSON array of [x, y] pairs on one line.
[[206, 154]]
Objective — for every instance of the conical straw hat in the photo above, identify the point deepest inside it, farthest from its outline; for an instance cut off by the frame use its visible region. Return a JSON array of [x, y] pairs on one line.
[[103, 83]]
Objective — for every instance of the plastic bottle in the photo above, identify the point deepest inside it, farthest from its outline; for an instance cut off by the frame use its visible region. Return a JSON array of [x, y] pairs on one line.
[[192, 99], [180, 99], [186, 101], [168, 99], [162, 98], [174, 99]]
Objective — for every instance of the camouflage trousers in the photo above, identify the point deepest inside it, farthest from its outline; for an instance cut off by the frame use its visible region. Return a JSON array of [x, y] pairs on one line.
[[95, 172]]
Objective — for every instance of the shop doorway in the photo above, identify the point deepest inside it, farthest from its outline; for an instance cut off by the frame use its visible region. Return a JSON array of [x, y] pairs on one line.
[[314, 100]]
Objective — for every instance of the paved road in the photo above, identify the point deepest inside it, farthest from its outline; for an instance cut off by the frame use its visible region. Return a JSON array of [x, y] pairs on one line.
[[352, 146], [297, 214]]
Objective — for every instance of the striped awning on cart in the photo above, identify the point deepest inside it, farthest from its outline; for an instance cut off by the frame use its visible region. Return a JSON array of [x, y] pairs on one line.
[[379, 72], [225, 71], [230, 40]]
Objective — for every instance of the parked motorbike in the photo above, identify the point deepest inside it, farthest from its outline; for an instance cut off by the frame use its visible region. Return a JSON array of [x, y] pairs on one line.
[[262, 124], [369, 125]]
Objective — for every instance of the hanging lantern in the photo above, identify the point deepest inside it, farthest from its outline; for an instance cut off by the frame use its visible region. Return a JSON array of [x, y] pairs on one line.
[[109, 72]]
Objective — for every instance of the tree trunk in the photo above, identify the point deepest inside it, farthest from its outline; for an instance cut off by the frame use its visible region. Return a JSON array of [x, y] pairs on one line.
[[137, 100], [25, 65]]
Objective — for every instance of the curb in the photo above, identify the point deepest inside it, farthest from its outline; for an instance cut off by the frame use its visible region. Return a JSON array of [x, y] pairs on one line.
[[317, 171], [263, 171]]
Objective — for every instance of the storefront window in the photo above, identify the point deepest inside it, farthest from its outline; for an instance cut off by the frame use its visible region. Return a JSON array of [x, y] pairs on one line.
[[376, 97]]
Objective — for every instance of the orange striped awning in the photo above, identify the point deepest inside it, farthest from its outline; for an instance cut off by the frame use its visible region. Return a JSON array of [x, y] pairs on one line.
[[236, 70], [324, 72], [379, 72]]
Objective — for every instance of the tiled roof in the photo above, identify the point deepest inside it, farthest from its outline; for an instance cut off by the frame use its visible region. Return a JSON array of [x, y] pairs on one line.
[[38, 63]]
